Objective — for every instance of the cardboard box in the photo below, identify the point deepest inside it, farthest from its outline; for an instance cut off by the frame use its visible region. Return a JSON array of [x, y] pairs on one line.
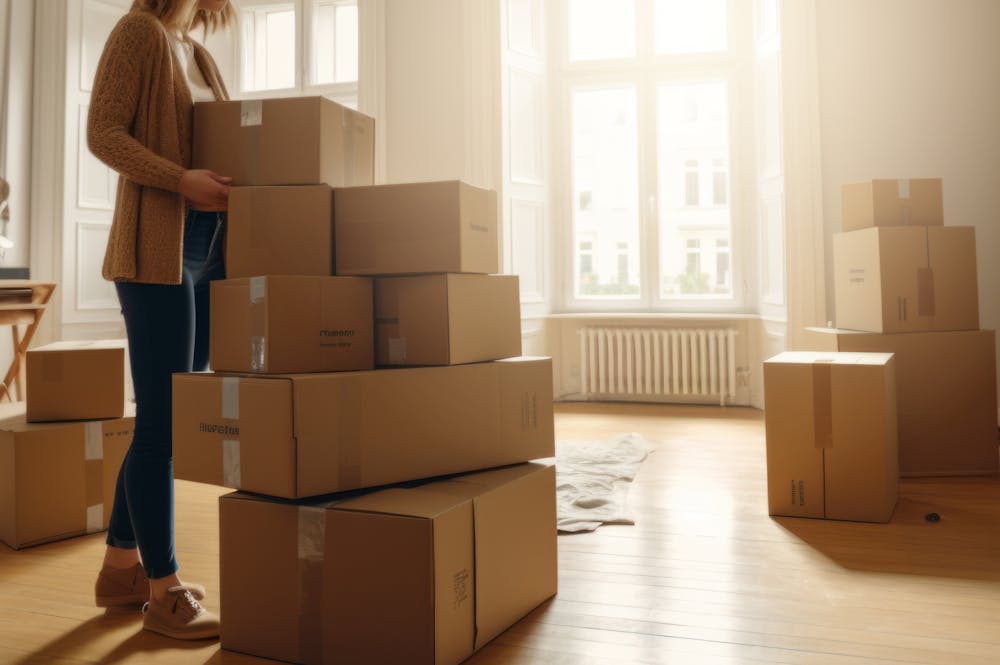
[[946, 396], [830, 420], [280, 231], [304, 435], [910, 202], [906, 279], [76, 380], [57, 480], [290, 323], [426, 227], [446, 319], [290, 141], [447, 565]]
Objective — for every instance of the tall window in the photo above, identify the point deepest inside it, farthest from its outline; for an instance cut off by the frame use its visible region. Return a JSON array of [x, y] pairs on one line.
[[299, 47], [651, 100]]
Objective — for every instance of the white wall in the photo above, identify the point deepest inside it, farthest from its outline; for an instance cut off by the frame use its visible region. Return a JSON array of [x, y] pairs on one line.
[[911, 88], [441, 89]]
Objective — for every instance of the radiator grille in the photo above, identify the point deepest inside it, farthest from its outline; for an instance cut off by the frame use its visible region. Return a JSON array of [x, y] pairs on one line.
[[658, 364]]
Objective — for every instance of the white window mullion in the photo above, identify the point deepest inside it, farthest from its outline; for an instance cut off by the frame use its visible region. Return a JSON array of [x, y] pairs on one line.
[[256, 40], [303, 42]]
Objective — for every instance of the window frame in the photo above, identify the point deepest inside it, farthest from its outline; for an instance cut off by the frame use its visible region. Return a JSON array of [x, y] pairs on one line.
[[344, 93], [646, 72]]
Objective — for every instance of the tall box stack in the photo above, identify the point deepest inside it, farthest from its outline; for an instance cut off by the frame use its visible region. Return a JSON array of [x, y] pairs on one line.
[[906, 284], [329, 277]]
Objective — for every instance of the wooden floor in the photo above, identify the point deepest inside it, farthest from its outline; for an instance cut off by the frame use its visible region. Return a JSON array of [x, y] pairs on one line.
[[705, 576]]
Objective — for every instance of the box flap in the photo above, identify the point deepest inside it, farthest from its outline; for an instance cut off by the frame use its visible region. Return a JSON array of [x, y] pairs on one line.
[[421, 502], [862, 466], [81, 345], [262, 617], [953, 280], [484, 317], [516, 569], [378, 588], [795, 483]]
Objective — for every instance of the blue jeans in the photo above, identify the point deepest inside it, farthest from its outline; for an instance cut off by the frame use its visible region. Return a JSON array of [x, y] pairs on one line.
[[167, 328]]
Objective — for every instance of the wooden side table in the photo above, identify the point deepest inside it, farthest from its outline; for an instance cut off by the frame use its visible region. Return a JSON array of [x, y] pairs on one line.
[[21, 302]]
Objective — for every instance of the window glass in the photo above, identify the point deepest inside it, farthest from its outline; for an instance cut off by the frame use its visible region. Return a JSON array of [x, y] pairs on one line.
[[690, 26], [605, 182], [601, 29], [693, 218]]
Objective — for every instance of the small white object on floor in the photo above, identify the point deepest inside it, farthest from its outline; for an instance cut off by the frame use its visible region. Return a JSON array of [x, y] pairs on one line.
[[592, 479]]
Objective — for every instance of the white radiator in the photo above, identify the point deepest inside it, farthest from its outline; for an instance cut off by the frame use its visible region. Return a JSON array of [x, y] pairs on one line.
[[658, 364]]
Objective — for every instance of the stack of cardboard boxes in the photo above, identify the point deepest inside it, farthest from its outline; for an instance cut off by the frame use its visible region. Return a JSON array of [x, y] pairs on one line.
[[61, 450], [330, 276], [906, 285]]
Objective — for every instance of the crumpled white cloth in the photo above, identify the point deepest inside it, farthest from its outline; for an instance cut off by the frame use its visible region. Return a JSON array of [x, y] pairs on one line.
[[592, 480]]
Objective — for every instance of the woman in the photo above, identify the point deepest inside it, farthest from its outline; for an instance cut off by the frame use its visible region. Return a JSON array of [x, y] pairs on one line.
[[164, 248]]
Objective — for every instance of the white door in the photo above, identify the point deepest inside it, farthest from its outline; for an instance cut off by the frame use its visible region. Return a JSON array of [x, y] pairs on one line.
[[524, 186], [89, 305]]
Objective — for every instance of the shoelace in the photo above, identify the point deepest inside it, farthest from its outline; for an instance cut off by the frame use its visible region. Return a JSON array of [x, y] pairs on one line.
[[190, 604]]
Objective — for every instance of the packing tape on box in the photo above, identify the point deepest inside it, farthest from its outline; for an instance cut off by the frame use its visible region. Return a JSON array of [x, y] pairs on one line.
[[397, 349], [95, 518], [251, 126], [905, 209], [251, 113], [311, 553], [93, 441], [232, 473], [258, 350], [257, 318], [231, 397], [822, 406], [93, 456], [258, 290]]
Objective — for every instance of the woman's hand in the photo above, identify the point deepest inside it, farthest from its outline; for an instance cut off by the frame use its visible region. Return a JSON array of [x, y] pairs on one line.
[[205, 190]]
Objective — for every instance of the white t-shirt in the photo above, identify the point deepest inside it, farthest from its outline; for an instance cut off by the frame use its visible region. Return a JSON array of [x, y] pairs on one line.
[[200, 90]]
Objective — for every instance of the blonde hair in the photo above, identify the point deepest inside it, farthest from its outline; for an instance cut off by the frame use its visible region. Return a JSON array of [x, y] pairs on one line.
[[185, 16]]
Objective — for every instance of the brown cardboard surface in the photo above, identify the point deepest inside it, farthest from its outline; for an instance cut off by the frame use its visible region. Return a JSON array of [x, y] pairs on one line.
[[415, 228], [911, 202], [830, 420], [51, 478], [289, 323], [280, 231], [311, 434], [906, 279], [505, 587], [424, 560], [251, 536], [76, 380], [946, 396], [289, 141], [446, 319], [794, 465]]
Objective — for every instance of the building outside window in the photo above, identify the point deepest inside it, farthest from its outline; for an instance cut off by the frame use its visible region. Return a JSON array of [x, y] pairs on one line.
[[650, 89], [299, 47]]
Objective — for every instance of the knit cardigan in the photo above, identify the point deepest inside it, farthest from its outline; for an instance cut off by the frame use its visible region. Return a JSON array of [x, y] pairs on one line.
[[140, 124]]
